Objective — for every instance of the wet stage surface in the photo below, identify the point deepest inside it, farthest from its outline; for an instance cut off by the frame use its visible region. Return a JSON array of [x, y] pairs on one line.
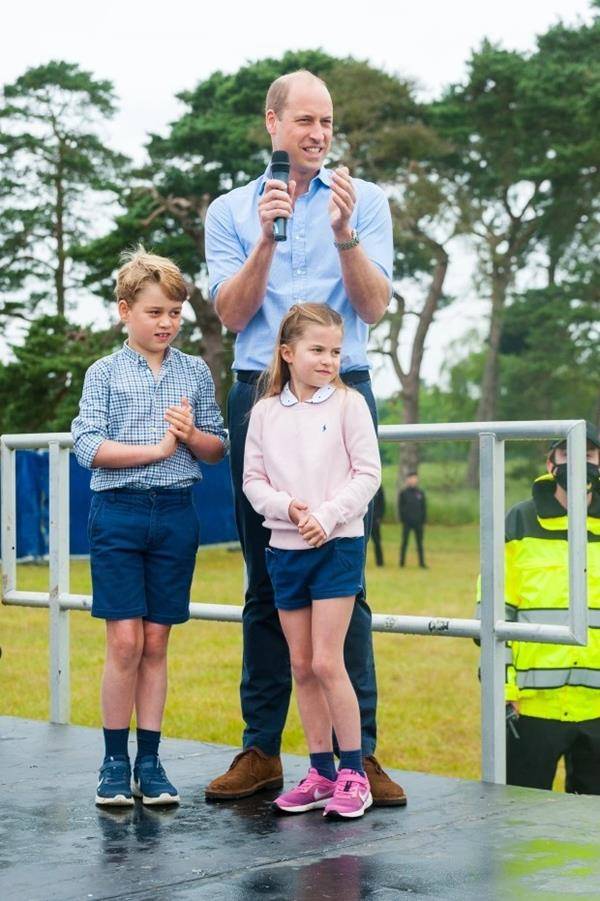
[[455, 840]]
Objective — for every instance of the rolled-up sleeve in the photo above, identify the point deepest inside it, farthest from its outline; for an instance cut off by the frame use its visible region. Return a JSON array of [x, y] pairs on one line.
[[374, 226], [207, 414], [90, 428], [224, 251]]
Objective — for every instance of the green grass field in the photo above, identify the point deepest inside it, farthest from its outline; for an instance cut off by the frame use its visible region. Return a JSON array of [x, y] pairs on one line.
[[428, 690]]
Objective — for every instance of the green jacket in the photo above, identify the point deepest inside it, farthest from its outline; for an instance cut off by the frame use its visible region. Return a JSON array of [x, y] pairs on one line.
[[552, 681]]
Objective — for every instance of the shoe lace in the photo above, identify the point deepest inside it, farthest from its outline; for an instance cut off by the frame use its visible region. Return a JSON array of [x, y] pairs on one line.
[[239, 756], [307, 783]]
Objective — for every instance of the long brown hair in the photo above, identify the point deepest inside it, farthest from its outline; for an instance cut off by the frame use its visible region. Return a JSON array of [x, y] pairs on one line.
[[292, 328]]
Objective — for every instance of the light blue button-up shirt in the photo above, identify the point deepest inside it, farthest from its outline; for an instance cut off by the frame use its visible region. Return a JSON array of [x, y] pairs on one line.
[[306, 267]]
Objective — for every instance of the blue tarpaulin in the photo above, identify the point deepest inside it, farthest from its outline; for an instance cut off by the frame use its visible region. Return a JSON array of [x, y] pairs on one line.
[[213, 497]]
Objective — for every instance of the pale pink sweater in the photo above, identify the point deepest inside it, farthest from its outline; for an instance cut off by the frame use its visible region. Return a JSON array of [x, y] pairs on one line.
[[324, 454]]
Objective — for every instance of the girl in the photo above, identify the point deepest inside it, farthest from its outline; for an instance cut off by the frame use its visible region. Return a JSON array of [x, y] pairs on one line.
[[311, 466]]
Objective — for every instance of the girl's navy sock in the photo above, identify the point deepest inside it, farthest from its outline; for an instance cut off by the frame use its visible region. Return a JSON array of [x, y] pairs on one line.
[[324, 764], [352, 760]]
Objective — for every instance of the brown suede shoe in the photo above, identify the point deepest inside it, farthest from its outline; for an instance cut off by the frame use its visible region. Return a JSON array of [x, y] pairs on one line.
[[251, 771], [386, 793]]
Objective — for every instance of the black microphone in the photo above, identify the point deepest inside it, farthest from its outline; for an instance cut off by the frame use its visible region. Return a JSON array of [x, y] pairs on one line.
[[280, 169]]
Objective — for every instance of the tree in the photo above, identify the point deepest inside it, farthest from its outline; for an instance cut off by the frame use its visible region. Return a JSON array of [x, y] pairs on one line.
[[557, 378], [42, 385], [383, 135], [53, 169], [523, 146]]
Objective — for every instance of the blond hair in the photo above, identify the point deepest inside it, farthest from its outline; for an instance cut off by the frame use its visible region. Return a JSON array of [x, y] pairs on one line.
[[279, 89], [292, 328], [141, 268]]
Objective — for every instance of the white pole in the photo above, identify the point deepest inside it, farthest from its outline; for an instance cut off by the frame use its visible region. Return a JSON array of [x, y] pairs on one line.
[[60, 699], [493, 739]]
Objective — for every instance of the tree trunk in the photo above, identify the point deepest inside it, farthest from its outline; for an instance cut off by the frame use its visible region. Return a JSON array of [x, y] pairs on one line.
[[408, 460], [212, 344], [409, 453], [486, 408], [59, 272]]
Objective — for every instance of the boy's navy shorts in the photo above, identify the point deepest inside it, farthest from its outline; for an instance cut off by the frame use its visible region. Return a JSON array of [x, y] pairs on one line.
[[299, 577], [143, 548]]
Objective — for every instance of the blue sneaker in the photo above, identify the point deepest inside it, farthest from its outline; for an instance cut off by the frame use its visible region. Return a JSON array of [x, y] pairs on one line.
[[150, 782], [114, 783]]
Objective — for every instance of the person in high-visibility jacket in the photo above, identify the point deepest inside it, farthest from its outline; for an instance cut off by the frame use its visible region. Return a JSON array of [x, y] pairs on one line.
[[552, 691]]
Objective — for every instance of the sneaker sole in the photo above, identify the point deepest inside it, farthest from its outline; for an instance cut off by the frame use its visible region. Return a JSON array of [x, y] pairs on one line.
[[351, 815], [116, 801], [211, 795], [391, 802], [149, 801], [300, 808]]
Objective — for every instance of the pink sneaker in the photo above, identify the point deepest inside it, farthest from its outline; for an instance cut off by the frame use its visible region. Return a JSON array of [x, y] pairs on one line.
[[352, 796], [312, 792]]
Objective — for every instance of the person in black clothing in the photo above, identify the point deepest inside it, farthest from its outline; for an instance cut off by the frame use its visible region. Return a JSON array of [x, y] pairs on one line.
[[412, 513], [378, 512]]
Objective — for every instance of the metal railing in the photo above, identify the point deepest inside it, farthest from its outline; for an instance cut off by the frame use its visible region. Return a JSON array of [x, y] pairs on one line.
[[493, 631]]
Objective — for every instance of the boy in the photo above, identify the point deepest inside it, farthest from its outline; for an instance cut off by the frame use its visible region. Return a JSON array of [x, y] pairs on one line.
[[147, 415]]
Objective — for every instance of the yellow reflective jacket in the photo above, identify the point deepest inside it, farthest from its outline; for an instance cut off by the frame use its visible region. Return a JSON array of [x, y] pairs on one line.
[[552, 681]]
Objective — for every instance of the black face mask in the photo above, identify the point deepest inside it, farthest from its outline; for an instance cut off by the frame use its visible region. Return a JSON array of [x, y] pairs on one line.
[[592, 476]]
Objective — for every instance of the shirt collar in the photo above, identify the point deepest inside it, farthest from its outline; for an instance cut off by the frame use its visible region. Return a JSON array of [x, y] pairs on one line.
[[323, 175], [289, 399], [132, 354]]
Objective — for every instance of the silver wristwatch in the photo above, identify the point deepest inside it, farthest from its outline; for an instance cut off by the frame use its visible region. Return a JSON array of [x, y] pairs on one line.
[[348, 245]]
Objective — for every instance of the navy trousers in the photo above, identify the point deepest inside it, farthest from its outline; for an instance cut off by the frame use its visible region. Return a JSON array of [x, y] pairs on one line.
[[266, 674]]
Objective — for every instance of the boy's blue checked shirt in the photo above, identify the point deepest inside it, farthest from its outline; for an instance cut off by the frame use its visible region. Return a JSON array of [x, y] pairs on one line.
[[122, 401]]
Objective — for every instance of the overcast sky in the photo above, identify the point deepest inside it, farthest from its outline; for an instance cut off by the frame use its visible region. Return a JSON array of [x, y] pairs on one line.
[[150, 51]]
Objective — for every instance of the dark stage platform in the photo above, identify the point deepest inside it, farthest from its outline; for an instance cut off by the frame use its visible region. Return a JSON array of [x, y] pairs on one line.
[[455, 840]]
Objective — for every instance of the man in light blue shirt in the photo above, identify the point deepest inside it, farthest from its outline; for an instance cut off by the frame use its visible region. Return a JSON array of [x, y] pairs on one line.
[[338, 251], [306, 267]]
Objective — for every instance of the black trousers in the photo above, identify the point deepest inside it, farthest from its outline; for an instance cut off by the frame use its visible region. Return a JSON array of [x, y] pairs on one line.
[[532, 758], [407, 528], [376, 538], [266, 676]]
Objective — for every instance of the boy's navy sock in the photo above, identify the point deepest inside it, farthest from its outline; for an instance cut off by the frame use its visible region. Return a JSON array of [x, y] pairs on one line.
[[352, 760], [324, 764], [147, 743], [115, 742]]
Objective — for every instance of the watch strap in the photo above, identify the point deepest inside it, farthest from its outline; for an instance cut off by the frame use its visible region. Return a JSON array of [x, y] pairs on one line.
[[347, 245]]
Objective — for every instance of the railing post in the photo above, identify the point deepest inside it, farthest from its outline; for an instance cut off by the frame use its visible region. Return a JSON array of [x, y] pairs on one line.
[[9, 519], [493, 737], [60, 695], [577, 518]]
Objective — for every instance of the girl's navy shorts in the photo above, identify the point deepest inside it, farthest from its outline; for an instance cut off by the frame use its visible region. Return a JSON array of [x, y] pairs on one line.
[[143, 548], [299, 577]]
